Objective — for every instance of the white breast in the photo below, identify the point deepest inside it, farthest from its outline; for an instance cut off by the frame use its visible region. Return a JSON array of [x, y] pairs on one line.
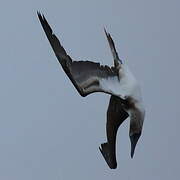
[[128, 83], [126, 86]]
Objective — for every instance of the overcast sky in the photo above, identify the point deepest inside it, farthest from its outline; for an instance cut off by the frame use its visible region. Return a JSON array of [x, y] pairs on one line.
[[49, 132]]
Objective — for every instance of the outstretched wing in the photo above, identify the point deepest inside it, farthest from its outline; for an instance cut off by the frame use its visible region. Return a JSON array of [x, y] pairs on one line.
[[87, 76]]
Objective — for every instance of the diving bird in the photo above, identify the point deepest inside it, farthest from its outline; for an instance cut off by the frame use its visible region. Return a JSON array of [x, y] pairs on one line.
[[118, 81]]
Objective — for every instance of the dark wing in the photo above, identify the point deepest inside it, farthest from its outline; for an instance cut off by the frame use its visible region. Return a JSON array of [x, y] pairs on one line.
[[117, 61], [115, 117], [85, 75]]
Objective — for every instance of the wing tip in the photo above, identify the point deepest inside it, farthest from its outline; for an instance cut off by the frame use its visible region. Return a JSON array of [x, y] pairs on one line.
[[40, 15], [44, 23], [112, 46], [107, 34], [105, 31]]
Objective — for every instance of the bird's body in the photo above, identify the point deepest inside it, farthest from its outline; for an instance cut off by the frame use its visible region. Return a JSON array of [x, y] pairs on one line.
[[118, 81], [124, 85]]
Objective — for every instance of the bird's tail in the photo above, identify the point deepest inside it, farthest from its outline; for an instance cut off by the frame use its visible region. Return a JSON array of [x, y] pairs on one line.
[[108, 155]]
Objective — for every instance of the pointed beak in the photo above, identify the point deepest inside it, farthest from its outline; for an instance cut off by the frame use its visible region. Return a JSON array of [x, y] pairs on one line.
[[134, 139]]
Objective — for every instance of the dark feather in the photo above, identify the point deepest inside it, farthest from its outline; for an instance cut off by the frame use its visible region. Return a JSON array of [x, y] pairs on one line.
[[85, 75]]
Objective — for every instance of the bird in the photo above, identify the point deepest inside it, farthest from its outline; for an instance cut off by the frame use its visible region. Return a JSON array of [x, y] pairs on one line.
[[118, 81]]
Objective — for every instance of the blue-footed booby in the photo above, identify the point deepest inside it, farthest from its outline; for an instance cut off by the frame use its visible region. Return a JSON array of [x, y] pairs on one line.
[[118, 81]]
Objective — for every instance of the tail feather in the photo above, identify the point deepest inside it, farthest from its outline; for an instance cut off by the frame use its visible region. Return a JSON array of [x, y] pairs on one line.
[[108, 155]]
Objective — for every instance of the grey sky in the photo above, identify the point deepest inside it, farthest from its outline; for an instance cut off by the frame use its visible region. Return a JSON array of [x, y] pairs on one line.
[[47, 131]]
